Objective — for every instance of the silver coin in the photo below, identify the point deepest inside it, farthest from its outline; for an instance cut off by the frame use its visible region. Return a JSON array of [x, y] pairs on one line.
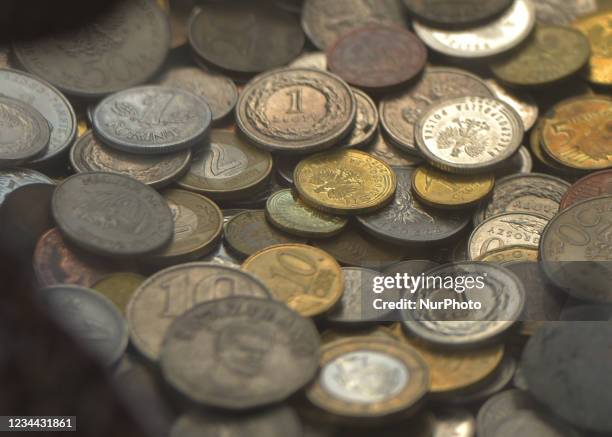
[[502, 298], [366, 121], [453, 422], [12, 178], [520, 162], [523, 103], [152, 119], [532, 423], [499, 407], [316, 60], [563, 12], [493, 38], [469, 134]]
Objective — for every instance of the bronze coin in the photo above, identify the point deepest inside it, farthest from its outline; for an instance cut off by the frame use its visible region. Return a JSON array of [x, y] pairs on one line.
[[594, 185]]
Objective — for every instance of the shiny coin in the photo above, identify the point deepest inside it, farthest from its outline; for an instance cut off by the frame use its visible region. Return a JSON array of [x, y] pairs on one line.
[[469, 134], [380, 148], [296, 110], [563, 12], [13, 178], [90, 318], [244, 36], [344, 182], [400, 112], [451, 13], [124, 46], [533, 423], [594, 185], [171, 292], [500, 407], [286, 211], [598, 28], [510, 254], [240, 352], [152, 119], [306, 279], [112, 214], [523, 103], [445, 190], [368, 377], [228, 168], [89, 154], [366, 121], [119, 287], [316, 60], [376, 57], [407, 221], [489, 39]]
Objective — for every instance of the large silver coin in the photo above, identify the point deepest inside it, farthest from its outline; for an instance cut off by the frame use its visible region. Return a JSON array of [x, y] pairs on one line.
[[24, 132], [12, 178]]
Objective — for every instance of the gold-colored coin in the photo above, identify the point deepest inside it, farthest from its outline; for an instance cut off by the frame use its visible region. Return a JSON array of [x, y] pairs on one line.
[[444, 190], [307, 279], [510, 254], [535, 143], [119, 287], [598, 29], [345, 182]]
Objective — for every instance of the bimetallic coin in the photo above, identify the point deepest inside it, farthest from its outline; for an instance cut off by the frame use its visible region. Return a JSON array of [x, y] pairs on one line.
[[89, 154], [316, 60], [469, 134], [13, 178], [152, 119], [286, 211], [563, 12], [452, 13], [112, 214], [308, 280], [240, 352], [594, 185], [368, 377], [90, 318], [296, 110], [345, 182], [523, 103], [598, 28], [510, 254], [501, 406], [119, 287], [366, 121], [171, 292]]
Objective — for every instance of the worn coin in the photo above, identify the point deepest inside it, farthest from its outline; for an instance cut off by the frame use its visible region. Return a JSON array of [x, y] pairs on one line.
[[244, 36], [522, 102], [452, 13], [229, 168], [122, 47], [152, 119], [171, 292], [535, 144], [469, 134], [593, 185], [510, 254], [562, 12], [112, 214], [89, 154], [407, 221], [366, 121], [345, 182], [499, 407], [533, 423], [308, 280], [316, 60], [598, 29], [296, 110], [240, 352], [119, 287], [286, 211], [376, 57], [400, 111], [380, 148]]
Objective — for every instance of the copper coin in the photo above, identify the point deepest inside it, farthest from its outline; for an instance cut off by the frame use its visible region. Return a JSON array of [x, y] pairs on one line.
[[377, 57], [594, 185]]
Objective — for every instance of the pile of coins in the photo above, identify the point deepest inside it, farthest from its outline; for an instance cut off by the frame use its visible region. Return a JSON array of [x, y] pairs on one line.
[[205, 192]]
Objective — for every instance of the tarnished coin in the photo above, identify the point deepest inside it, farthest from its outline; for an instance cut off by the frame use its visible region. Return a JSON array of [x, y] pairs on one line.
[[598, 29], [288, 212], [576, 132], [368, 377], [112, 214], [524, 104], [502, 298], [445, 190], [250, 232], [500, 407], [122, 47], [13, 178], [533, 423], [366, 121], [308, 280], [380, 148], [316, 60], [90, 318], [245, 36], [493, 38], [345, 182], [510, 254], [407, 221], [240, 352], [535, 144], [228, 168], [400, 112], [171, 292], [505, 230], [119, 287], [152, 119], [324, 21], [452, 13], [219, 91], [469, 134], [89, 154], [296, 110], [563, 12], [376, 57], [594, 185]]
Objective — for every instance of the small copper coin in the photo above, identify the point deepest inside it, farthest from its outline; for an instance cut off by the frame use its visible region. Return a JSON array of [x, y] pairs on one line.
[[594, 185]]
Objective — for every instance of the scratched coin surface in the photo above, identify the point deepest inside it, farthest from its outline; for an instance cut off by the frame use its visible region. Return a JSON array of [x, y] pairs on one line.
[[469, 134], [122, 47], [296, 110], [240, 352], [308, 280], [593, 185], [522, 102], [112, 214], [152, 119], [89, 154], [598, 29], [452, 13], [171, 292], [366, 121], [345, 182], [119, 287], [400, 111]]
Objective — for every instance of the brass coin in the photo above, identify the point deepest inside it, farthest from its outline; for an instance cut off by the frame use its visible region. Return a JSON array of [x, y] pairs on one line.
[[444, 190], [598, 29], [345, 182], [308, 280], [511, 254], [119, 287], [286, 211], [366, 121], [229, 168], [535, 144]]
